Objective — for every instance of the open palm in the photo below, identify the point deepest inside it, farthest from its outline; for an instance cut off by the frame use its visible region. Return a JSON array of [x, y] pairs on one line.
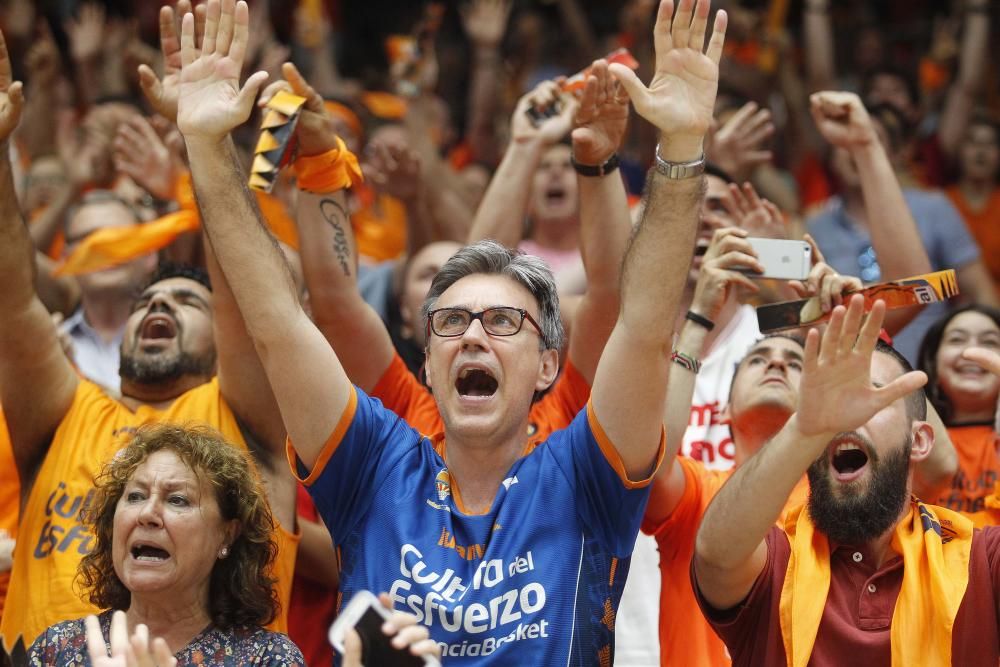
[[210, 101], [162, 94], [836, 391], [680, 98], [601, 118]]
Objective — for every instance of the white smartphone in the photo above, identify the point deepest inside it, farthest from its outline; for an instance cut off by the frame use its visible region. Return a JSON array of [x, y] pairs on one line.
[[366, 615], [783, 259]]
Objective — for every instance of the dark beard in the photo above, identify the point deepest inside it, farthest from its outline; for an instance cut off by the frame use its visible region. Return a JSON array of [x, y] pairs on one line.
[[156, 369], [860, 517]]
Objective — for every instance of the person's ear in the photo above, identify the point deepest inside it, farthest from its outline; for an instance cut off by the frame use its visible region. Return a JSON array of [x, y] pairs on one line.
[[923, 441], [548, 369], [231, 531], [425, 368]]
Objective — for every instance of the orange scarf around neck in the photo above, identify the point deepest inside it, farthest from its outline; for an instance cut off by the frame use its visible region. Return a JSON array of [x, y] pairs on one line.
[[935, 544]]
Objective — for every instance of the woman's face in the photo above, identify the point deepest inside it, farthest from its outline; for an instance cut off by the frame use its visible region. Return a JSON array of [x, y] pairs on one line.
[[968, 385], [168, 530]]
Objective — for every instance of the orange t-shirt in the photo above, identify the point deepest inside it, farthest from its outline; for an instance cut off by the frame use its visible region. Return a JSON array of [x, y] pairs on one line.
[[984, 226], [53, 539], [379, 225], [978, 468], [686, 638], [402, 393], [10, 498]]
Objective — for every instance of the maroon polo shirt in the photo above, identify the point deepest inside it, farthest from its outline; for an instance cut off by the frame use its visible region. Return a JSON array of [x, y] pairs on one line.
[[854, 629]]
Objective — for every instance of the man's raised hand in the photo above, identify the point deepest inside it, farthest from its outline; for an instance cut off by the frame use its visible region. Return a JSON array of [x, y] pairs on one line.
[[210, 101], [316, 131], [720, 273], [680, 99], [601, 117], [842, 119], [162, 93], [837, 372]]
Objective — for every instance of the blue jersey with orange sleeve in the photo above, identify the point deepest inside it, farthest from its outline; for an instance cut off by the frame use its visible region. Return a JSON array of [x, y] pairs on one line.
[[534, 580]]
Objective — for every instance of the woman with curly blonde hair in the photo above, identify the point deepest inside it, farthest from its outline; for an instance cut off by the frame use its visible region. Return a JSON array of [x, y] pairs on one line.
[[184, 547]]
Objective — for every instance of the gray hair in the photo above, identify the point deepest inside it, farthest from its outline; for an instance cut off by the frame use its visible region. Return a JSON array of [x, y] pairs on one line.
[[491, 258]]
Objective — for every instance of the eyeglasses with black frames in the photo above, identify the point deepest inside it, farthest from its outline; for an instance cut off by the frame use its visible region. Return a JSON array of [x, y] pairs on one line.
[[498, 321]]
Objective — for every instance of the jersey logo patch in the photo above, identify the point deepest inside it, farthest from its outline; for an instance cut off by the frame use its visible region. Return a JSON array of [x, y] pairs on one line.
[[442, 484]]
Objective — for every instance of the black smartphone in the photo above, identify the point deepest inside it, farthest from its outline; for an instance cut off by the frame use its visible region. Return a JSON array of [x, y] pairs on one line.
[[366, 615]]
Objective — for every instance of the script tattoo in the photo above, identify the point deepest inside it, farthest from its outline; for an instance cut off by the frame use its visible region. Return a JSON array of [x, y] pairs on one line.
[[336, 216]]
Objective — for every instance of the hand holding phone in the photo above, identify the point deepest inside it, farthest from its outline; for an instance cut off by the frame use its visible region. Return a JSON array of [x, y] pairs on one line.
[[359, 634], [575, 84]]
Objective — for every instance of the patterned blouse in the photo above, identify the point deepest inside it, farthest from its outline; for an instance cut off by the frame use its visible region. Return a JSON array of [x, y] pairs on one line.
[[66, 644]]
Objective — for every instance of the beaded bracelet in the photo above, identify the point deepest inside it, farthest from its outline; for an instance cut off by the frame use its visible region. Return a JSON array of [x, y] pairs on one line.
[[685, 360]]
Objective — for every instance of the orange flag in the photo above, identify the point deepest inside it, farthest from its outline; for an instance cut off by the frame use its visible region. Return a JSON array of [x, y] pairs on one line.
[[116, 245]]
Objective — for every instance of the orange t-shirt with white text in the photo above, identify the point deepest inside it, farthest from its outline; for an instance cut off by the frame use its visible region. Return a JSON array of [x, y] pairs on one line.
[[686, 638]]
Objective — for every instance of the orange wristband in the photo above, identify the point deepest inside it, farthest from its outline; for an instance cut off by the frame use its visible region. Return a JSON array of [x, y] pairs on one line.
[[328, 172]]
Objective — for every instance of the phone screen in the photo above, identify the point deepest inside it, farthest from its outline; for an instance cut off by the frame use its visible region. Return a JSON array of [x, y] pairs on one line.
[[375, 646]]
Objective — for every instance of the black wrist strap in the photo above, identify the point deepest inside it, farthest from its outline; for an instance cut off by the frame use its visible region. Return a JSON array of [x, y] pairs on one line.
[[595, 170], [700, 319]]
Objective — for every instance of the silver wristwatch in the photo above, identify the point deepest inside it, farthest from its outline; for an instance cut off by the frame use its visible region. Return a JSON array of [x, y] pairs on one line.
[[679, 170]]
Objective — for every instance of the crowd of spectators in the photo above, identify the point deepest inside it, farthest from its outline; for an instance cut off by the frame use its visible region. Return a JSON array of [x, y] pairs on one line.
[[869, 129]]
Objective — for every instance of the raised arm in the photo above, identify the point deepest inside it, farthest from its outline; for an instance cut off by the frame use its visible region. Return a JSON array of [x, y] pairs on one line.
[[37, 382], [972, 66], [329, 255], [679, 103], [730, 551], [605, 221], [817, 38], [505, 203], [484, 22], [295, 355], [242, 380], [717, 280], [843, 121]]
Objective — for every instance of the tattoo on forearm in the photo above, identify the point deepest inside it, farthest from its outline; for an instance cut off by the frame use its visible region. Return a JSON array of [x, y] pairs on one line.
[[335, 214]]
